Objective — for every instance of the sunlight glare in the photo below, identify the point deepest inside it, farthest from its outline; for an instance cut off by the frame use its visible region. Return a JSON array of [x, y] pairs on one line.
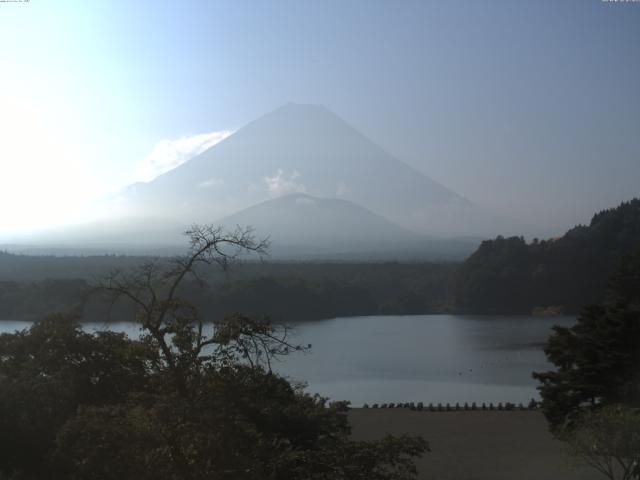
[[44, 181]]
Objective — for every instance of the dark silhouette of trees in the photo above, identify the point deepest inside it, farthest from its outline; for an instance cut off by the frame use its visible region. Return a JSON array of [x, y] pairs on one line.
[[193, 398], [592, 398], [504, 276], [46, 373], [598, 359], [507, 275]]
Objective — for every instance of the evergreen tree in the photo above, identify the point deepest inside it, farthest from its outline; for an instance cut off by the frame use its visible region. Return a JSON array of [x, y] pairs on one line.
[[598, 359]]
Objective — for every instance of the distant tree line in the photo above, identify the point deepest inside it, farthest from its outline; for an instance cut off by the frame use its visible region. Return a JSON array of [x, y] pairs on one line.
[[290, 292], [504, 276]]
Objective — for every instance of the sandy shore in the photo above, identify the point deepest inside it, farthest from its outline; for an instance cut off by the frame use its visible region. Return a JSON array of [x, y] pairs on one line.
[[477, 445]]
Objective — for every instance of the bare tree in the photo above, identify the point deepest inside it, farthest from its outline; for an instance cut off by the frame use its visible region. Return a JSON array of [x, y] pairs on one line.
[[609, 441], [174, 326]]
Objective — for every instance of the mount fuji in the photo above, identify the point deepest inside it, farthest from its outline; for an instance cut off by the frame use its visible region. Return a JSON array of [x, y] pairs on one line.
[[309, 151]]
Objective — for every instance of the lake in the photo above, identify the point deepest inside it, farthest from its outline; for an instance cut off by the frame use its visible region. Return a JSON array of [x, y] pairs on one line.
[[428, 358]]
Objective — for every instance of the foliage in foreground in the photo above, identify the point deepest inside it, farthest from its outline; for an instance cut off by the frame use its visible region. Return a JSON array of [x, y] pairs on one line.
[[598, 359], [189, 400], [609, 441], [592, 399]]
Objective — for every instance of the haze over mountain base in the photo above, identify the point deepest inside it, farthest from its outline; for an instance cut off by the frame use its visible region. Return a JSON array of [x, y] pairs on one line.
[[301, 176]]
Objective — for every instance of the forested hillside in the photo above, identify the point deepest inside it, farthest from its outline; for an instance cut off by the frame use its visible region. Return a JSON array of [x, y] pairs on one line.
[[286, 291], [505, 275], [508, 275], [33, 268]]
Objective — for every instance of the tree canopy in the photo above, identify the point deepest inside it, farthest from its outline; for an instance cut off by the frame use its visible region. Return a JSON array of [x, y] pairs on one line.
[[598, 359], [609, 441], [509, 275], [192, 398]]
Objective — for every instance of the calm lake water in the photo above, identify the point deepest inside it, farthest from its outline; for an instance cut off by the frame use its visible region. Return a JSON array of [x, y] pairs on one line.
[[428, 358]]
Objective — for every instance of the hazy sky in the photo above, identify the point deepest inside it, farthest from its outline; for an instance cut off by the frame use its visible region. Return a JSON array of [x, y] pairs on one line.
[[529, 108]]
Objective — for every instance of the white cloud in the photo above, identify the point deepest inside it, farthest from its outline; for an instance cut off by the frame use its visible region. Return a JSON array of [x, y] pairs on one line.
[[212, 182], [281, 184], [168, 154]]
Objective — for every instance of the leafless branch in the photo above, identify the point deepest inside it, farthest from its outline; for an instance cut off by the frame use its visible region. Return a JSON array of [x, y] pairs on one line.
[[174, 325]]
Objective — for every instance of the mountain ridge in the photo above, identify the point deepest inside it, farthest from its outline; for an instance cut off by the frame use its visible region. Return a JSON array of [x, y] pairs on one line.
[[329, 223], [307, 149]]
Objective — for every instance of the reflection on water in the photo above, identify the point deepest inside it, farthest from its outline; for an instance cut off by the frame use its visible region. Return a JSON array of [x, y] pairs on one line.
[[428, 358]]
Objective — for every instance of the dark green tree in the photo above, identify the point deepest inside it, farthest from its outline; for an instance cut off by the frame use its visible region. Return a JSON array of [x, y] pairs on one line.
[[598, 359], [47, 372], [507, 275]]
